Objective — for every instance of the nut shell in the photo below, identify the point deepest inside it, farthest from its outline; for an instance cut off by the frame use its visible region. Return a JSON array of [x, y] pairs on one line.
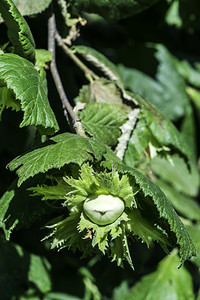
[[103, 209]]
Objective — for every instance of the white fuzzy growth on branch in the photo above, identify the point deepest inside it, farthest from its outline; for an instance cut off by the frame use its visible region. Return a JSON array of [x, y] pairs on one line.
[[126, 129]]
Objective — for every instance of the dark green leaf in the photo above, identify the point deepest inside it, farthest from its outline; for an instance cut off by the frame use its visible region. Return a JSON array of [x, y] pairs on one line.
[[127, 129], [67, 148], [137, 143], [189, 72], [167, 282], [161, 129], [174, 87], [112, 10], [166, 213], [60, 296], [103, 121], [194, 230], [167, 93], [20, 268], [38, 273], [20, 76], [19, 209], [7, 100], [190, 13], [18, 30], [122, 291], [185, 206], [99, 61]]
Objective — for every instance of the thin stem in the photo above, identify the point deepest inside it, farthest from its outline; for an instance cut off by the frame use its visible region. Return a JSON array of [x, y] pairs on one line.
[[56, 77], [88, 73]]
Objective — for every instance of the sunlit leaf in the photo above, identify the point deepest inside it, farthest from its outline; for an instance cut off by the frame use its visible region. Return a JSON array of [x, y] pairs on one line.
[[20, 76]]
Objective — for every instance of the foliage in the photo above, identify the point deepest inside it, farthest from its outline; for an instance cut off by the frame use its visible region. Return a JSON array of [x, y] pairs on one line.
[[114, 175]]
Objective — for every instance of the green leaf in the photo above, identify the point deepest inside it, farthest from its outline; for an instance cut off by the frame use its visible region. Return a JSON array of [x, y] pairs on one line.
[[162, 131], [122, 291], [103, 121], [167, 282], [100, 91], [189, 131], [112, 10], [30, 294], [172, 15], [194, 230], [27, 7], [177, 174], [20, 269], [19, 209], [190, 73], [99, 61], [38, 273], [42, 57], [185, 206], [20, 76], [7, 100], [174, 87], [127, 129], [154, 196], [137, 143], [4, 203], [60, 296], [167, 92], [144, 230], [66, 148], [18, 30]]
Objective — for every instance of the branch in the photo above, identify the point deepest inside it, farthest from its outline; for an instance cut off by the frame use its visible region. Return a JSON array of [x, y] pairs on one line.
[[56, 77], [88, 73]]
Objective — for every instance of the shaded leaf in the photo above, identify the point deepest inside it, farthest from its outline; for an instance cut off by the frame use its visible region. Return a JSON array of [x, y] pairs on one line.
[[7, 100], [20, 76], [190, 13], [122, 291], [38, 273], [190, 73], [19, 268], [103, 121], [137, 143], [100, 91], [127, 129], [99, 61], [60, 296], [66, 148], [18, 30], [185, 206], [167, 92], [164, 133], [194, 230], [177, 174], [167, 282], [112, 10], [174, 87], [19, 209]]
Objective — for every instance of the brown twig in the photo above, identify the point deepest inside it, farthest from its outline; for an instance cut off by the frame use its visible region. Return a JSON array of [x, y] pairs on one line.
[[56, 77], [88, 73]]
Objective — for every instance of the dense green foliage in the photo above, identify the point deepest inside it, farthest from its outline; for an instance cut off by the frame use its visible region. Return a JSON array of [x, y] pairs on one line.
[[99, 150]]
